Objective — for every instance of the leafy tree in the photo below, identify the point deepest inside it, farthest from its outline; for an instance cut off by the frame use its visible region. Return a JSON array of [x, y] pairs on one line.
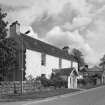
[[102, 63], [78, 56], [8, 50], [3, 25], [8, 56], [3, 34]]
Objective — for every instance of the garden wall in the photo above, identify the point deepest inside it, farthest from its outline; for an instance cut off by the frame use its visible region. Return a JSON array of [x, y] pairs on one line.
[[9, 88]]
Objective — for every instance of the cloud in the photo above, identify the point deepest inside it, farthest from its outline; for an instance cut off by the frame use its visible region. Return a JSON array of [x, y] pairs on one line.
[[77, 23], [46, 21], [32, 9], [15, 3], [81, 6], [61, 38], [24, 29]]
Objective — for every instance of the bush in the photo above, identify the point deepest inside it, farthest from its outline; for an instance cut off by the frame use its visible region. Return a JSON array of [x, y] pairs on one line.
[[82, 81], [45, 82], [58, 82], [54, 81]]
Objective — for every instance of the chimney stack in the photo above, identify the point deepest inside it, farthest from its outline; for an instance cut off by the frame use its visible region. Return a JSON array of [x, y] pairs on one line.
[[66, 49], [14, 29]]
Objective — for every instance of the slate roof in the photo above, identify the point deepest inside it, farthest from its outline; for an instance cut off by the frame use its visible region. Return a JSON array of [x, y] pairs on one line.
[[65, 71], [37, 45], [94, 72], [95, 68], [91, 73]]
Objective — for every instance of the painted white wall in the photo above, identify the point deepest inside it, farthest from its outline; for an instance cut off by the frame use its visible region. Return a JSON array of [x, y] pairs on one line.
[[34, 67], [51, 63], [69, 82], [75, 65], [66, 63], [33, 62], [72, 81]]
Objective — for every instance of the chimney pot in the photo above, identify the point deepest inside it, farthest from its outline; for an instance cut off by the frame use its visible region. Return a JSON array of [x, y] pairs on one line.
[[66, 49], [14, 29]]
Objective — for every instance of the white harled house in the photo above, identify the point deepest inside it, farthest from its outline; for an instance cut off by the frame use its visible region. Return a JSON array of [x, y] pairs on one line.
[[42, 58]]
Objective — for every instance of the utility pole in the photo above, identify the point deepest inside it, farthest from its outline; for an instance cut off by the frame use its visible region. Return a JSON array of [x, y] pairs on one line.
[[22, 59], [22, 68]]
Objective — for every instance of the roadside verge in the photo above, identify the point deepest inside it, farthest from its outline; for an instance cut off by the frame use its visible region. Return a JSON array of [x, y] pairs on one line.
[[37, 95]]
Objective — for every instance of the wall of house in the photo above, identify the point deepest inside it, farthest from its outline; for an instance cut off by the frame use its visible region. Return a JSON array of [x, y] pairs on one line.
[[51, 63], [33, 62], [72, 81], [34, 67], [66, 63]]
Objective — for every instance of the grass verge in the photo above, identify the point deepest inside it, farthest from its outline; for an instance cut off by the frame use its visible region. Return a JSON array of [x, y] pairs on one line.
[[37, 95]]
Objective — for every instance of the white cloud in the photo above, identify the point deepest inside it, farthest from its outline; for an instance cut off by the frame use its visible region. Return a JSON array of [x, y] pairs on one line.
[[58, 37], [24, 29], [82, 6], [78, 23], [32, 9]]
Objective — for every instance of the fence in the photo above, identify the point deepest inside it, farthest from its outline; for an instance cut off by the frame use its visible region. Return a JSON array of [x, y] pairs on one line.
[[9, 88]]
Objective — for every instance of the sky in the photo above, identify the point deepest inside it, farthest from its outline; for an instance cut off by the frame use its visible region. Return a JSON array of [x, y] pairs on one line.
[[75, 23]]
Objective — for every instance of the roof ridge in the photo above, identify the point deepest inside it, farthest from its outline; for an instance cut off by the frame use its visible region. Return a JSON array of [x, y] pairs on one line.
[[41, 41], [41, 46]]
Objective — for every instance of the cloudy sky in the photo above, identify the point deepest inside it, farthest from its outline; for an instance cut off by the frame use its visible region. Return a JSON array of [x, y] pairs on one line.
[[76, 23]]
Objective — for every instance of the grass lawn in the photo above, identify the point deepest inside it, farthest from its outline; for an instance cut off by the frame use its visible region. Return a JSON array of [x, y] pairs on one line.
[[38, 95]]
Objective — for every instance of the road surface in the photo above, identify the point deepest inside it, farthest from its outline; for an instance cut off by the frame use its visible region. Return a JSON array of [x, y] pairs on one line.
[[88, 97]]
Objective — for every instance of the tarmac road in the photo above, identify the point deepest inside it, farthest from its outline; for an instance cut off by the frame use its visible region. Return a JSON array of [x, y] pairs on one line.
[[87, 97]]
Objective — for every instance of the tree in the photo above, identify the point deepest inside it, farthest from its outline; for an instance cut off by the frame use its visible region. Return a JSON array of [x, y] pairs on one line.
[[8, 50], [102, 63], [78, 56], [3, 34], [3, 25], [8, 57]]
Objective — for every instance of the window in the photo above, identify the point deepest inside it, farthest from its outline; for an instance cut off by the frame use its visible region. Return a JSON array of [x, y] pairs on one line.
[[43, 59]]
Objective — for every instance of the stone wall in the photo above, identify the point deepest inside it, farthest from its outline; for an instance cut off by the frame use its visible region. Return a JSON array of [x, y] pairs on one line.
[[9, 88]]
